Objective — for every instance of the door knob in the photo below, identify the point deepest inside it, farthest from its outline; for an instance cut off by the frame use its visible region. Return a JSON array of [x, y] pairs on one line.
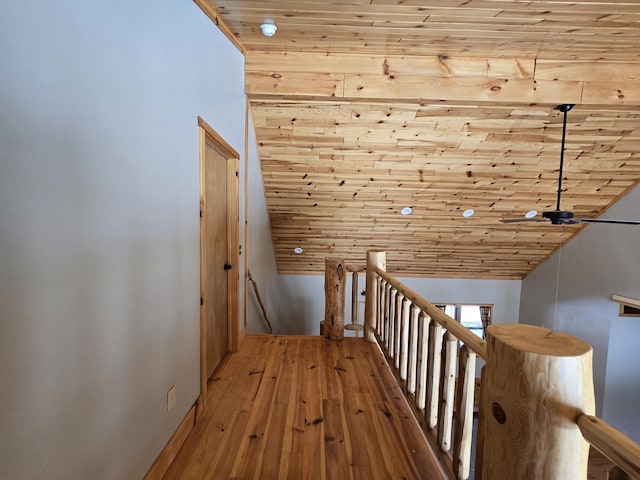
[[227, 266]]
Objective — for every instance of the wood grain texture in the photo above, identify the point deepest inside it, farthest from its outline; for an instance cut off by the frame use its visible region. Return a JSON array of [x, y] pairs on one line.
[[335, 281], [434, 372], [337, 175], [537, 384], [305, 407], [447, 391], [437, 316], [378, 259], [215, 223], [362, 108], [465, 390], [477, 28], [616, 446], [424, 360]]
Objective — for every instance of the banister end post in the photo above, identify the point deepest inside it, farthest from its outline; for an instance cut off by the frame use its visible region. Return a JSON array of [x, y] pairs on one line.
[[535, 380], [375, 258]]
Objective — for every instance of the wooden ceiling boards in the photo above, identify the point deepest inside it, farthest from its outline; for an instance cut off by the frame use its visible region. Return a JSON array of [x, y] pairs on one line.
[[361, 108]]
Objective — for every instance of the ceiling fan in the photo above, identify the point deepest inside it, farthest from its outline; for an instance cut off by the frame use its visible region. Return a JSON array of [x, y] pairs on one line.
[[564, 217]]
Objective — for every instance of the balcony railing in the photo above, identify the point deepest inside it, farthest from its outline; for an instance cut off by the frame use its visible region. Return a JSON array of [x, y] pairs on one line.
[[535, 403]]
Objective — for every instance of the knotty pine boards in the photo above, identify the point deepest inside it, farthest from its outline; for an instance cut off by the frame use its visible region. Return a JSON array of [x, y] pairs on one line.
[[366, 106], [305, 408], [337, 175], [563, 29]]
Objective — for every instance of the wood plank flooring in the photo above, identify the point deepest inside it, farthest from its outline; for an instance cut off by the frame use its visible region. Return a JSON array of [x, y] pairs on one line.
[[305, 408]]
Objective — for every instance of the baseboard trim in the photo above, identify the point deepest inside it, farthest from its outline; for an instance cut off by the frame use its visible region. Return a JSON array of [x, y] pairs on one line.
[[171, 449], [243, 334]]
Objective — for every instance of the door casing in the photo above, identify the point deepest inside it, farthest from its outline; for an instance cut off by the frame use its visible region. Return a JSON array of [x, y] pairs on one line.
[[232, 254]]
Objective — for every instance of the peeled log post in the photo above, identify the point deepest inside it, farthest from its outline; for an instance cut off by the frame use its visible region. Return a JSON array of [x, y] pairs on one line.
[[422, 359], [354, 298], [412, 367], [397, 329], [377, 323], [447, 390], [433, 373], [465, 389], [386, 314], [375, 258], [405, 328], [335, 282], [537, 382]]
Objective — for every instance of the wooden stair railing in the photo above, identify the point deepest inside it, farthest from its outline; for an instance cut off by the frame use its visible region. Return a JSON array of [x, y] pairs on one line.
[[434, 360], [437, 377]]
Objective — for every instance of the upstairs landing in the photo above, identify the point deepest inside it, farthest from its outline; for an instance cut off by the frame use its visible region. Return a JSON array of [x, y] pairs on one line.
[[288, 407]]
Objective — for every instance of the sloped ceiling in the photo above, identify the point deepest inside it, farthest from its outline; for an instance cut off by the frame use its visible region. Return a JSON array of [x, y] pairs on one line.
[[362, 108]]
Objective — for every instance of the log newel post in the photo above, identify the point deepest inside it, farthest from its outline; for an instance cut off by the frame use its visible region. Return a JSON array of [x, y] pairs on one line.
[[375, 258], [535, 384], [335, 281]]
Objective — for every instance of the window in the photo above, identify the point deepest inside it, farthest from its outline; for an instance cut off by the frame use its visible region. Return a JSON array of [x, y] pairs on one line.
[[475, 317], [629, 307]]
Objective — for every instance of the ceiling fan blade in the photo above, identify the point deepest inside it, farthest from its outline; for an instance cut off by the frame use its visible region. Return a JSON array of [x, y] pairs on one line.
[[604, 220], [523, 220]]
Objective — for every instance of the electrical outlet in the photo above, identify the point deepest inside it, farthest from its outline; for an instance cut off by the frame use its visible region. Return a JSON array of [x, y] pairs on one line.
[[171, 398]]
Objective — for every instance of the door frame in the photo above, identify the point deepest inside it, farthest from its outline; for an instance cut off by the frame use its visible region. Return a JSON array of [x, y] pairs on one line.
[[233, 247]]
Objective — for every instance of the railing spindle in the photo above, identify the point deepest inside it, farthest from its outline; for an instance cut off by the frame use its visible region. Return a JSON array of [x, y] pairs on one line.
[[397, 329], [380, 306], [433, 373], [447, 390], [412, 348], [404, 339], [465, 390], [393, 294], [422, 359], [354, 299], [387, 313]]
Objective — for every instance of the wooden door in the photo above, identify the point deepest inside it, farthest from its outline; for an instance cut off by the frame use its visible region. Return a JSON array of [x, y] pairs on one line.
[[219, 249], [217, 288]]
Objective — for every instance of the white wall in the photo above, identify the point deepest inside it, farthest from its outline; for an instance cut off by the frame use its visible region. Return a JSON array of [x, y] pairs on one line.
[[622, 384], [602, 260], [306, 298], [261, 259], [99, 242]]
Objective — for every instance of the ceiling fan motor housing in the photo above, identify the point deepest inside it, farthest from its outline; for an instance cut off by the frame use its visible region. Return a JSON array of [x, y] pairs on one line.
[[558, 217], [565, 107]]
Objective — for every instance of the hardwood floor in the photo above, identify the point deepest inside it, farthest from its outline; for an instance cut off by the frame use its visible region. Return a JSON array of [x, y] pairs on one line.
[[305, 408]]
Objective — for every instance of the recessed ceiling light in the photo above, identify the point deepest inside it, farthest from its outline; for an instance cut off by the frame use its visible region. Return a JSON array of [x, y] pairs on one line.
[[530, 214], [468, 213], [298, 250], [406, 211], [269, 28]]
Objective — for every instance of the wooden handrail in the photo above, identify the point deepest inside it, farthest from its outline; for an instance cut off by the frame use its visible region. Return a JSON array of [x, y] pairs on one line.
[[436, 376], [619, 448], [475, 343], [438, 379], [350, 267]]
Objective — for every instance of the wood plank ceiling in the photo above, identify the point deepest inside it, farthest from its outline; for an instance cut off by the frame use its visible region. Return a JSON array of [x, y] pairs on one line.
[[363, 107]]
